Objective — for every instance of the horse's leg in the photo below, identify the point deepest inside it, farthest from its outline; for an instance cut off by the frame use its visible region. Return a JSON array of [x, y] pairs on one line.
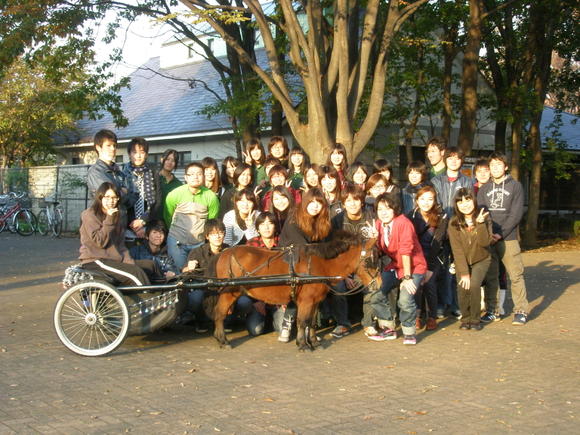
[[301, 324], [225, 301], [312, 338]]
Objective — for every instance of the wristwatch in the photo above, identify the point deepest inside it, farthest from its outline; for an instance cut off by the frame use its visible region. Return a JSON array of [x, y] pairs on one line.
[[407, 277]]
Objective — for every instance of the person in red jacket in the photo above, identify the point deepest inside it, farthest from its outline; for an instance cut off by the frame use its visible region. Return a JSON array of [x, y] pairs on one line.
[[396, 237]]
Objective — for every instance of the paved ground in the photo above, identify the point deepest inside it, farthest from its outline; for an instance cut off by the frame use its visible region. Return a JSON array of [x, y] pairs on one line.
[[502, 379]]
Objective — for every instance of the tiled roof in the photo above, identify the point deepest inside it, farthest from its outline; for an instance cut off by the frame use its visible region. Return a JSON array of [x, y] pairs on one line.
[[156, 105]]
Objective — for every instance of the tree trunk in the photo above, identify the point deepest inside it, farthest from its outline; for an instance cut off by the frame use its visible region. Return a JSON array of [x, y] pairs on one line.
[[447, 112], [500, 132], [544, 19], [277, 115], [531, 233], [470, 71], [517, 132]]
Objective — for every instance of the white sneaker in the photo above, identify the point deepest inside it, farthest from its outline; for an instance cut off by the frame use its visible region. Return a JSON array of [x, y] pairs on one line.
[[284, 336]]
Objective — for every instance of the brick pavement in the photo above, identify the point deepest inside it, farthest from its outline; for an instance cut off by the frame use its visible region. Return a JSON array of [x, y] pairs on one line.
[[502, 379]]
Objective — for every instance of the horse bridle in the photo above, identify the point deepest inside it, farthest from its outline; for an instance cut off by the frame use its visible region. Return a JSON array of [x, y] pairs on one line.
[[363, 257]]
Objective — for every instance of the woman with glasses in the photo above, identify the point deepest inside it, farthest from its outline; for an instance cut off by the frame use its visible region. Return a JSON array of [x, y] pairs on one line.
[[102, 236]]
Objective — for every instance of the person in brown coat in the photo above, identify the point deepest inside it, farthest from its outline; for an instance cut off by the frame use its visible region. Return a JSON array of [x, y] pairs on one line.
[[103, 239], [470, 236]]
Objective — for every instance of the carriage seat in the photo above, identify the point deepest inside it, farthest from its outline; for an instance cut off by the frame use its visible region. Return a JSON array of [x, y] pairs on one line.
[[77, 273]]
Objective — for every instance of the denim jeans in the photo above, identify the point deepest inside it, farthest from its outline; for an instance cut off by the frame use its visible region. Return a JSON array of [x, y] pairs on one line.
[[447, 290], [339, 305], [406, 302], [426, 296], [255, 322], [179, 251]]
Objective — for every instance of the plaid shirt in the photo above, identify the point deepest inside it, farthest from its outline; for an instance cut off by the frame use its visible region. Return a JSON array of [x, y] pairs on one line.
[[259, 243]]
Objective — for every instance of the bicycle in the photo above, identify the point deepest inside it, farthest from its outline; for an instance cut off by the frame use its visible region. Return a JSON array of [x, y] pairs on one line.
[[15, 216], [50, 218]]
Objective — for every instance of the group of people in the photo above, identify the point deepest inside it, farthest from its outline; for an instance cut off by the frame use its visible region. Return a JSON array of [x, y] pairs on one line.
[[442, 236]]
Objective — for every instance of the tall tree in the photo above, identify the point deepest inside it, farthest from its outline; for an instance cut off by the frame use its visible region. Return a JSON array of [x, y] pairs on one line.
[[336, 66]]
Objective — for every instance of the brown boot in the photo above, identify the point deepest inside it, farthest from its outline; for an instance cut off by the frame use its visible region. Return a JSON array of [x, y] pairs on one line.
[[431, 324], [418, 324]]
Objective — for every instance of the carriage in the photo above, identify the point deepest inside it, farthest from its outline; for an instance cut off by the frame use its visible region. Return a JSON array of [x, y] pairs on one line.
[[94, 315]]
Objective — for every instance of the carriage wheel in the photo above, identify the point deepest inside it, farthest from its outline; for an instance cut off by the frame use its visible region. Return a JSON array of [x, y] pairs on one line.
[[91, 318]]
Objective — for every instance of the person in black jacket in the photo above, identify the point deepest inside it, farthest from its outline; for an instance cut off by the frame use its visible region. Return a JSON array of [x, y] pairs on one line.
[[356, 219], [431, 228], [310, 223], [144, 186]]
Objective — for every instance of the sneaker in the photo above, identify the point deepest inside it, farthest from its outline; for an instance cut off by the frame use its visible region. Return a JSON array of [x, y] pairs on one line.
[[286, 330], [431, 324], [440, 313], [465, 326], [476, 327], [418, 323], [390, 334], [456, 314], [410, 339], [520, 319], [374, 335], [490, 317], [200, 328], [340, 331]]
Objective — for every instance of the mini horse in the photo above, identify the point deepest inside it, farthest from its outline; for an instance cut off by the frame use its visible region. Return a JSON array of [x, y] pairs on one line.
[[344, 254]]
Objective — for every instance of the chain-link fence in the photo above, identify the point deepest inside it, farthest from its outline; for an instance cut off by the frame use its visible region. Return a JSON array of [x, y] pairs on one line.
[[68, 184]]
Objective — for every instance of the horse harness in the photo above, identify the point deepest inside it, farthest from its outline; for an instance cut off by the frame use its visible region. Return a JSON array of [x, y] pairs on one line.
[[291, 259]]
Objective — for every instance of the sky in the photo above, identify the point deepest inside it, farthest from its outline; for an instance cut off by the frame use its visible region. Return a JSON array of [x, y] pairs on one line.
[[140, 41]]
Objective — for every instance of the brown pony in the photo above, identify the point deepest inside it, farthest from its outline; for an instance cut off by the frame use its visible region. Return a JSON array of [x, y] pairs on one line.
[[344, 254]]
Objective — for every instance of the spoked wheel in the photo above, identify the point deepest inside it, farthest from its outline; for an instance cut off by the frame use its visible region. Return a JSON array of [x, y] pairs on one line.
[[57, 222], [91, 318], [42, 223], [25, 222]]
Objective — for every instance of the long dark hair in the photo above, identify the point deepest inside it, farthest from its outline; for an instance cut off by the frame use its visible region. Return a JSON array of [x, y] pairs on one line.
[[249, 194], [282, 215], [209, 162], [226, 181], [255, 144], [241, 168], [433, 215], [342, 150], [458, 221], [97, 205], [317, 227], [167, 153], [305, 161]]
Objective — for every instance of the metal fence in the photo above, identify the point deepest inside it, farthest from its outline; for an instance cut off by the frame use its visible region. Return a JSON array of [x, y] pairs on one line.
[[65, 183]]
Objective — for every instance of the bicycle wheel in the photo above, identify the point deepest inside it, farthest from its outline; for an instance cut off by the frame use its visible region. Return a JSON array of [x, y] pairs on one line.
[[57, 222], [42, 222], [91, 318], [25, 222]]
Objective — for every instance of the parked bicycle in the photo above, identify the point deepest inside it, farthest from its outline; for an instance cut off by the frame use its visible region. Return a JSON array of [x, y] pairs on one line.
[[50, 218], [14, 216]]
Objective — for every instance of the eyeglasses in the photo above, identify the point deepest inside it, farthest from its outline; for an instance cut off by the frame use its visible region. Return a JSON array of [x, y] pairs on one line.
[[217, 234]]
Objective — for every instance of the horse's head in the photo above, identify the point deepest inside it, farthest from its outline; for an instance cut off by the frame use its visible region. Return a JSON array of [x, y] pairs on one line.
[[368, 268]]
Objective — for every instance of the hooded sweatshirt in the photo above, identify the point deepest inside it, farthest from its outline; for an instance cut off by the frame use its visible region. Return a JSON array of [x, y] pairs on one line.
[[505, 203]]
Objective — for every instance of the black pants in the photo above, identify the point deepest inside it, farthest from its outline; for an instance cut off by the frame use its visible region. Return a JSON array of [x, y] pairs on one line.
[[470, 300], [127, 274]]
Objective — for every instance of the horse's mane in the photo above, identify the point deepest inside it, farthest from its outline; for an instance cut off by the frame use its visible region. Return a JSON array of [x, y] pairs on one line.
[[340, 241]]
